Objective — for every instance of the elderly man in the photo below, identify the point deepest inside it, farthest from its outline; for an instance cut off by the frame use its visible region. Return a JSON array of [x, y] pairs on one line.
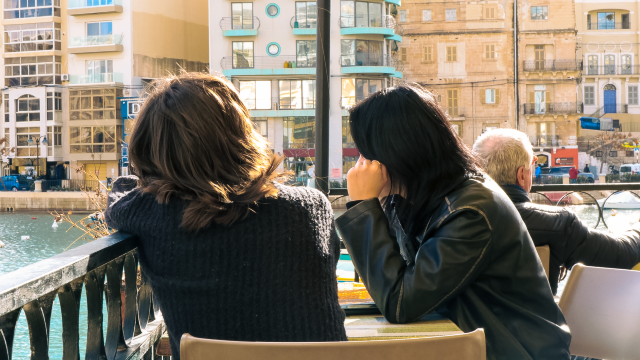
[[508, 158]]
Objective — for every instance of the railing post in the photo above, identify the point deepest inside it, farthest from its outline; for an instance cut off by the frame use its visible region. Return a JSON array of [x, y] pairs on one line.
[[322, 94]]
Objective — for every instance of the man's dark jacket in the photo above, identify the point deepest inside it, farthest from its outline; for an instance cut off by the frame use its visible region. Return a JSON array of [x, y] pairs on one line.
[[475, 262], [570, 240]]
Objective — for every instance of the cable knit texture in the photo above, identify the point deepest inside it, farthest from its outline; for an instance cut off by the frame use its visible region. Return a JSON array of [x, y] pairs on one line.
[[269, 277]]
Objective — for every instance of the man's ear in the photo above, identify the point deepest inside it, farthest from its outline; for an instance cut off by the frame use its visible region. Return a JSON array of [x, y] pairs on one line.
[[520, 176]]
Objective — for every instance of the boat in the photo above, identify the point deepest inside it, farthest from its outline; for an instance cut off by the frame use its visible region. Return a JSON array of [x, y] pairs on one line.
[[623, 200]]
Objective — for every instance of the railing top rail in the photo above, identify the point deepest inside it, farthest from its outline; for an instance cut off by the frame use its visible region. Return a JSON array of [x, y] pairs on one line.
[[29, 283]]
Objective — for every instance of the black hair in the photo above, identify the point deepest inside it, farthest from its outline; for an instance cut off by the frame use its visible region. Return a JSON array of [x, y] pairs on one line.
[[405, 129]]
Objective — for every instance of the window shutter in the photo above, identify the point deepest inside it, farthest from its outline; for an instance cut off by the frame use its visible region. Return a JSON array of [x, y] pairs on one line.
[[403, 54], [454, 51], [483, 96], [547, 97], [497, 96], [532, 97]]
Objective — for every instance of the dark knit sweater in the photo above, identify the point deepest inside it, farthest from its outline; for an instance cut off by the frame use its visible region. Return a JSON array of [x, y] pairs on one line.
[[269, 277]]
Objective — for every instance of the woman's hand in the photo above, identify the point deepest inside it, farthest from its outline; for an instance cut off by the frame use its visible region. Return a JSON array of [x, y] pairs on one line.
[[366, 180]]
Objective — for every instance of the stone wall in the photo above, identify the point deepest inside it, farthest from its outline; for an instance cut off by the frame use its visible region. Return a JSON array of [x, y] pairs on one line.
[[45, 201]]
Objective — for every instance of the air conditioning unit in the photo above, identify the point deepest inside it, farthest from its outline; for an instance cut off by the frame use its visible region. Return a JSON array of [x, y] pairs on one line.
[[65, 77], [126, 92]]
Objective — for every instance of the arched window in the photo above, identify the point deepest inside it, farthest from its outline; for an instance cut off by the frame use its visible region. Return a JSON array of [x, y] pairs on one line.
[[609, 87], [28, 108]]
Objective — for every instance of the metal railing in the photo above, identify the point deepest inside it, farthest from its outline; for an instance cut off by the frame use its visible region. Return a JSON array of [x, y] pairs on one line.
[[625, 69], [73, 4], [95, 40], [455, 112], [95, 78], [552, 65], [268, 62], [240, 23], [545, 140], [134, 322], [553, 108], [70, 185], [293, 21], [386, 21], [368, 59], [609, 25]]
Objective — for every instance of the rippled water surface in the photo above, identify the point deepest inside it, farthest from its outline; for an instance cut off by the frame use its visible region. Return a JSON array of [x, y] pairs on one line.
[[44, 242]]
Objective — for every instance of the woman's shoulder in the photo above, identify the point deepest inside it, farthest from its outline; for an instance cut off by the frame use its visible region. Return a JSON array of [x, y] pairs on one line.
[[301, 197], [124, 202]]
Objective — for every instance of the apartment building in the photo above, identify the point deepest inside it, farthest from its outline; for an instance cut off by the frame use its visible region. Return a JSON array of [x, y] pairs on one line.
[[68, 71], [268, 51], [548, 77], [608, 46], [463, 51]]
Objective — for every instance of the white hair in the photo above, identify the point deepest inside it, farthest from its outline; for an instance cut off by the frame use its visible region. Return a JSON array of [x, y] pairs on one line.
[[503, 152]]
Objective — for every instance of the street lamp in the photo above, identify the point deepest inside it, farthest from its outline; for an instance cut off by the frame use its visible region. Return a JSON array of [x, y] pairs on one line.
[[37, 141]]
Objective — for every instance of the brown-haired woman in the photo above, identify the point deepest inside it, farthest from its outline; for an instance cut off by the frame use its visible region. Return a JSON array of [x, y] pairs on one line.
[[230, 253]]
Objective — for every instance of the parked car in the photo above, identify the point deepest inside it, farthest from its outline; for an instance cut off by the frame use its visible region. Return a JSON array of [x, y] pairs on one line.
[[15, 183], [564, 170], [629, 169]]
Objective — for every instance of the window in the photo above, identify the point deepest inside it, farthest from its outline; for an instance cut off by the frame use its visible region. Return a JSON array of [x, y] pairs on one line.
[[592, 65], [93, 104], [625, 64], [92, 139], [456, 128], [242, 54], [588, 21], [452, 99], [20, 9], [23, 149], [427, 53], [625, 21], [32, 70], [306, 14], [99, 33], [356, 90], [361, 53], [426, 15], [539, 13], [403, 15], [32, 37], [54, 106], [606, 20], [261, 126], [99, 71], [490, 51], [609, 65], [242, 15], [613, 154], [273, 10], [633, 95], [589, 95], [54, 138], [540, 59], [306, 53], [273, 49], [360, 14], [99, 2], [5, 103], [256, 95], [490, 96], [452, 54], [450, 15], [297, 94], [299, 132], [27, 108], [347, 138], [403, 54], [598, 153], [490, 13]]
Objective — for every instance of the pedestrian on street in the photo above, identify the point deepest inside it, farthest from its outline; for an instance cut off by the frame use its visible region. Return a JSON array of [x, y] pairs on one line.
[[573, 175], [586, 169], [538, 171]]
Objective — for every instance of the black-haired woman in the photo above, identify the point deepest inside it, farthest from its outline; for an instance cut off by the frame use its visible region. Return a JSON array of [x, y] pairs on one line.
[[230, 253], [427, 231]]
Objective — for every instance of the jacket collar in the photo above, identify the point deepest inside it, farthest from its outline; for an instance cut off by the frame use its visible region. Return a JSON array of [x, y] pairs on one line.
[[516, 193]]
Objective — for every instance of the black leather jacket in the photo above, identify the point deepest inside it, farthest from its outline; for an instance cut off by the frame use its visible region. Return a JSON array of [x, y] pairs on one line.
[[475, 262], [571, 241]]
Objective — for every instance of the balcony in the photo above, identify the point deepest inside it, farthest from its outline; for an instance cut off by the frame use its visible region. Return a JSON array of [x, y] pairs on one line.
[[553, 108], [90, 7], [307, 30], [456, 112], [370, 63], [95, 79], [611, 70], [552, 65], [545, 140], [283, 106], [387, 26], [609, 25], [240, 65], [95, 44], [240, 26]]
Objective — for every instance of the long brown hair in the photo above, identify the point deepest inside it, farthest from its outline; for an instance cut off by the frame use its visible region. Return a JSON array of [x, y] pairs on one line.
[[194, 139]]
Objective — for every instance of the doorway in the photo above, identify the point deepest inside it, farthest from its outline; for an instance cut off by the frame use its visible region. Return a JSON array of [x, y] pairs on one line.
[[609, 99]]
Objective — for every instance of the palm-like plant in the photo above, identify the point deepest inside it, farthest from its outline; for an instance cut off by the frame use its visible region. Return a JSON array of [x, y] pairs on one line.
[[5, 150]]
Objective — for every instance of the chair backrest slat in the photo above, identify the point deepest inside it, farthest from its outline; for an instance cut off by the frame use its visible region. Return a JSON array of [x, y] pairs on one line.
[[545, 257]]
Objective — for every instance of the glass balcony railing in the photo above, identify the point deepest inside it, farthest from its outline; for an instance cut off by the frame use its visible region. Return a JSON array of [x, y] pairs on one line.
[[95, 78], [95, 40], [73, 4]]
